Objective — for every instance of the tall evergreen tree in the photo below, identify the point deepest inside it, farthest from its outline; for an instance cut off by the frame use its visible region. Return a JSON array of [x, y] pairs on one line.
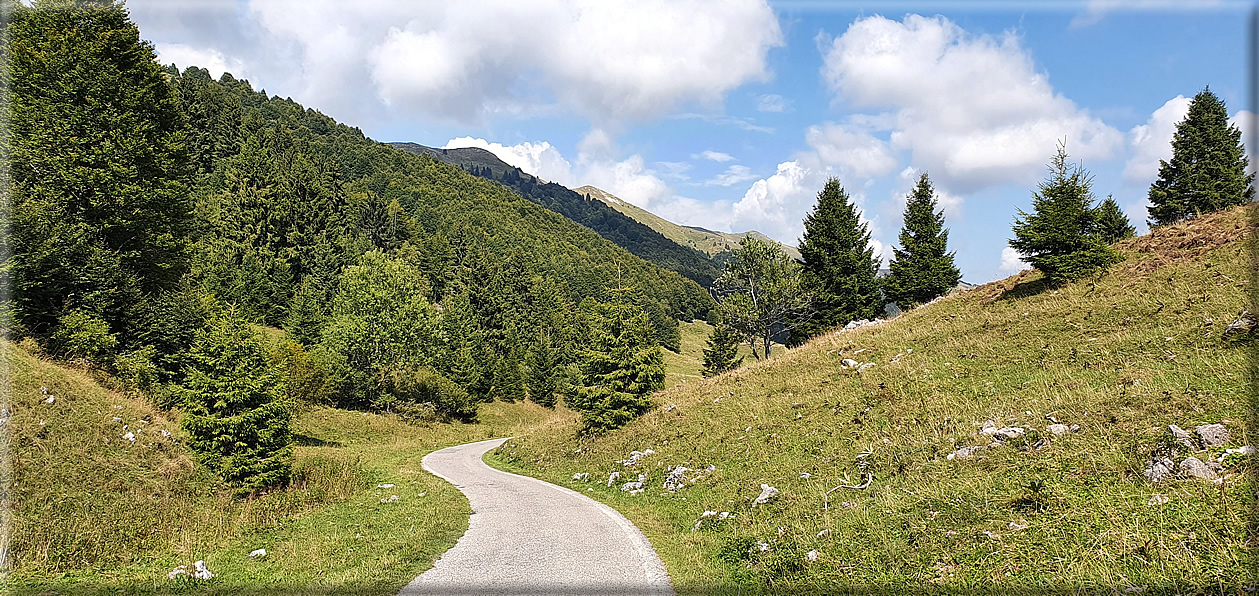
[[1207, 171], [237, 423], [1059, 237], [620, 368], [921, 269], [722, 353], [839, 265], [101, 208], [1111, 224]]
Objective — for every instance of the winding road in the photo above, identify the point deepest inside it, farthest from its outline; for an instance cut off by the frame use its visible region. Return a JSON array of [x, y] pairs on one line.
[[527, 536]]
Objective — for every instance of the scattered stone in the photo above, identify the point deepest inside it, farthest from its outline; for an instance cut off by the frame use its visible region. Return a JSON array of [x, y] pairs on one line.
[[669, 408], [1075, 428], [865, 366], [165, 433], [674, 480], [384, 486], [117, 420], [1244, 324], [823, 533], [1135, 589], [990, 428], [1194, 467], [805, 476], [43, 389], [762, 546], [1244, 450], [635, 485], [1212, 435], [1181, 436], [1016, 526], [992, 535], [50, 400], [965, 452], [613, 477], [1058, 429], [1158, 499], [811, 555], [1158, 468], [582, 476], [767, 493], [176, 572], [130, 436], [262, 552], [848, 504], [636, 456], [200, 571], [1009, 432], [848, 363]]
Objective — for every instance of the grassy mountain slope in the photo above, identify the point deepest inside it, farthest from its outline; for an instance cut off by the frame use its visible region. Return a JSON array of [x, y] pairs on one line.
[[1123, 355], [635, 237], [94, 513], [705, 241]]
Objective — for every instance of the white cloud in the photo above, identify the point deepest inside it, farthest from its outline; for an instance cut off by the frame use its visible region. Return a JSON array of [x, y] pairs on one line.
[[771, 102], [1096, 10], [856, 153], [1152, 141], [675, 170], [540, 159], [711, 155], [973, 110], [1011, 262], [775, 205], [210, 59], [1245, 121], [733, 175]]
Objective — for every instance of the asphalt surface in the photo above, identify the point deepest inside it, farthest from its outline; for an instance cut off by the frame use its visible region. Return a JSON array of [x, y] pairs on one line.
[[527, 536]]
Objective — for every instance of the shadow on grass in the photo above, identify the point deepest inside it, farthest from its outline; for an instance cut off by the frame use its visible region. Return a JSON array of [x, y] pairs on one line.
[[1023, 289]]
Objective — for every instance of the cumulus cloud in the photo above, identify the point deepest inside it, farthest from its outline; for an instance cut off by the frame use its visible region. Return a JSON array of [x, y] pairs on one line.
[[775, 205], [856, 153], [1096, 10], [733, 175], [210, 59], [540, 159], [1011, 262], [711, 155], [1152, 141], [973, 110], [1245, 121]]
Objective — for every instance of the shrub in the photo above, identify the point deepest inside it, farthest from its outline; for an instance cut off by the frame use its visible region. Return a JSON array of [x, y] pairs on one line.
[[423, 394], [80, 335]]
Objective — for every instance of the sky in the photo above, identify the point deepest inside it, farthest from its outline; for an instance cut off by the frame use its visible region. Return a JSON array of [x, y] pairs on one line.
[[732, 115]]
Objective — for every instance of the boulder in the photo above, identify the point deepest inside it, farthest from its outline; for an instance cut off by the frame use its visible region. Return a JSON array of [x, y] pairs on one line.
[[1244, 324], [1193, 467], [1212, 435], [1181, 436], [1158, 469]]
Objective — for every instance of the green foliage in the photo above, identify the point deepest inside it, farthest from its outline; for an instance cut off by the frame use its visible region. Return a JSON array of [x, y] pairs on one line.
[[762, 294], [921, 268], [720, 355], [424, 394], [236, 419], [1059, 237], [381, 322], [1207, 171], [620, 367], [839, 263], [305, 376], [100, 204], [81, 335], [1111, 225], [544, 375], [307, 314]]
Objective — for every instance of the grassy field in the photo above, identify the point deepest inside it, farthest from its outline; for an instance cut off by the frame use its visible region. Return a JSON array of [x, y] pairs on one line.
[[1123, 355], [94, 513]]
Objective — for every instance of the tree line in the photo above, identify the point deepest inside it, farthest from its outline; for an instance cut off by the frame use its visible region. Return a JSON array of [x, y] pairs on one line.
[[764, 296]]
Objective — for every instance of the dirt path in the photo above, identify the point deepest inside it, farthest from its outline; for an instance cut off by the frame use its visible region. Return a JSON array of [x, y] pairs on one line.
[[527, 536]]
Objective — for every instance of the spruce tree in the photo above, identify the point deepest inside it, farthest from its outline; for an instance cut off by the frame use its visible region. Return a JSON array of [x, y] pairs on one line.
[[620, 367], [839, 264], [722, 353], [237, 423], [1111, 223], [1059, 237], [921, 269], [1207, 171]]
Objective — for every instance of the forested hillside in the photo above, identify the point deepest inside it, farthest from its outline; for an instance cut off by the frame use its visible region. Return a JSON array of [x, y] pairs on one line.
[[613, 225]]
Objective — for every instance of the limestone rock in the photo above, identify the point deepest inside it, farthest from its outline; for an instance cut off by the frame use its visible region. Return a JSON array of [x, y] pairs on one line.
[[848, 363], [1212, 435], [1194, 467], [613, 477], [1181, 436], [965, 452], [262, 552], [1009, 432], [1158, 469], [1058, 429], [767, 493], [200, 571], [990, 428]]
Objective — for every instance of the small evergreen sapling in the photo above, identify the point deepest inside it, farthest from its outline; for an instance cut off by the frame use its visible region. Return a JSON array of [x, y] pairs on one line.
[[722, 353], [621, 367], [1112, 224], [237, 421], [922, 268], [1059, 237]]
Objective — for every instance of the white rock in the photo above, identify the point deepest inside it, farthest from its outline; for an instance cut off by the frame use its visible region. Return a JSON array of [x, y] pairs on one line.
[[176, 572], [1009, 432], [262, 552], [811, 555], [1158, 499], [582, 476], [674, 480], [391, 499], [130, 436], [384, 486], [848, 363], [613, 477], [117, 419], [1158, 469], [990, 428], [1058, 429], [1016, 526], [1181, 436], [50, 400], [823, 533], [805, 476], [165, 433], [200, 571], [965, 452], [1244, 450], [767, 493], [1212, 435], [1194, 467], [865, 366]]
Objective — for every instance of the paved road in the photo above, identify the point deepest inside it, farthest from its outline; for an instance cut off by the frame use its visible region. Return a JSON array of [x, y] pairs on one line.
[[527, 536]]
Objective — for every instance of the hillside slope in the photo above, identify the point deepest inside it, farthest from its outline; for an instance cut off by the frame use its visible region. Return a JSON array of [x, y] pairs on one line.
[[614, 226], [707, 241], [872, 495]]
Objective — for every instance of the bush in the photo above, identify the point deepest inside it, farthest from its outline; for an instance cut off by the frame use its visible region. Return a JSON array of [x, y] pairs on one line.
[[306, 376], [80, 335], [136, 369], [423, 394]]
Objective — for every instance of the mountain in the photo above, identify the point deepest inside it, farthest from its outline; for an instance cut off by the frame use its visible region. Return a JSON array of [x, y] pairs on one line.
[[639, 239], [885, 480], [707, 241]]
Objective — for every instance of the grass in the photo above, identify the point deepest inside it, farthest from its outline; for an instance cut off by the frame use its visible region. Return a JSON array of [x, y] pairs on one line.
[[1123, 355], [93, 513], [687, 365]]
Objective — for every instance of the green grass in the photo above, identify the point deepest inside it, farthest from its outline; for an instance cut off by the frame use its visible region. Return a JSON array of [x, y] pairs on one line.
[[1123, 355], [93, 513], [687, 364]]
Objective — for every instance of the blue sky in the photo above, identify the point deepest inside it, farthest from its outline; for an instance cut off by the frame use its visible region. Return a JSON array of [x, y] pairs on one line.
[[733, 118]]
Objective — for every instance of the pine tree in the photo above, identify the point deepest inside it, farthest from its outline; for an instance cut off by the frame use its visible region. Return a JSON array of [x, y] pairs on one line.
[[542, 364], [839, 265], [1058, 237], [921, 269], [236, 421], [620, 368], [1207, 171], [722, 353], [101, 209], [1111, 224]]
